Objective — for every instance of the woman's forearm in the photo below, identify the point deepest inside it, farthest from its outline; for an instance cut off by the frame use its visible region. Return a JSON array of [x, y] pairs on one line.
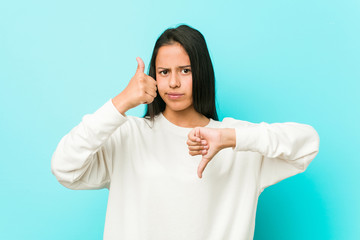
[[228, 137]]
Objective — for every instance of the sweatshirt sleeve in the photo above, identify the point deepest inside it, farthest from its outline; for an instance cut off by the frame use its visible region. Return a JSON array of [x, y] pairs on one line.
[[83, 157], [287, 148]]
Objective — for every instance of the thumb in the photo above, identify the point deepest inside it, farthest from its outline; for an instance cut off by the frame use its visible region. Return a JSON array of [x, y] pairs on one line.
[[141, 65], [204, 162]]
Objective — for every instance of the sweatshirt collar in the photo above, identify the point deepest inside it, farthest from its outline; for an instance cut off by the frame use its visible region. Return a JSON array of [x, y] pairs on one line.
[[165, 123]]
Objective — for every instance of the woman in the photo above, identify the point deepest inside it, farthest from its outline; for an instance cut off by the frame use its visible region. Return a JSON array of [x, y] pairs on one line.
[[149, 164]]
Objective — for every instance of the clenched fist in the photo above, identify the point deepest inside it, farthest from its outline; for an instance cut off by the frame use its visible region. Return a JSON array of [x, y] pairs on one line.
[[140, 90], [208, 142]]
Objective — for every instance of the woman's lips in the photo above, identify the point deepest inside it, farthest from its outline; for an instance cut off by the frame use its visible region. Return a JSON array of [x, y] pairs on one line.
[[174, 95]]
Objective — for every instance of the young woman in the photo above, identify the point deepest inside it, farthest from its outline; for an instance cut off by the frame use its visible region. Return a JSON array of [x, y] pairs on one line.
[[178, 172]]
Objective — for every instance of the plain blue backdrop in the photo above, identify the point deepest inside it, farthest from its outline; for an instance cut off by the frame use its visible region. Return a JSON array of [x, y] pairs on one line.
[[275, 61]]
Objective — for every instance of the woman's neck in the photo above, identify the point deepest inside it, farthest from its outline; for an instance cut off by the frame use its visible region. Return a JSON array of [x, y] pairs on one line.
[[188, 118]]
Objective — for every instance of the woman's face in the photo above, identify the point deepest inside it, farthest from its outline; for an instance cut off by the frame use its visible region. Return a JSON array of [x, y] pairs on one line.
[[174, 77]]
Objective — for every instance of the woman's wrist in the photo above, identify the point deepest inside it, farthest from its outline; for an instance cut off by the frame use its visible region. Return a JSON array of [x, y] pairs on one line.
[[120, 103], [228, 137]]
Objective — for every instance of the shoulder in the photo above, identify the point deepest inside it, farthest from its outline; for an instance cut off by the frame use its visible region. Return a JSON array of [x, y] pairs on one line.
[[139, 122]]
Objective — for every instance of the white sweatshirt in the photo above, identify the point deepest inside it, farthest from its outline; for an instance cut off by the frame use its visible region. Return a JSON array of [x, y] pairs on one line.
[[154, 190]]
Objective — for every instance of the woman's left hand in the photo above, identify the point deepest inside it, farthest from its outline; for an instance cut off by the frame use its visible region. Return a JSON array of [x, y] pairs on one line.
[[208, 142]]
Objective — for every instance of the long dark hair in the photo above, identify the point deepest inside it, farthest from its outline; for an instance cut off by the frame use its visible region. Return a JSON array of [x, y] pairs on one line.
[[201, 67]]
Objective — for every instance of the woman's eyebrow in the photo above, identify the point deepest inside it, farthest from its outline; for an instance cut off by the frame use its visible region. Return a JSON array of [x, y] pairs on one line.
[[178, 67], [185, 66]]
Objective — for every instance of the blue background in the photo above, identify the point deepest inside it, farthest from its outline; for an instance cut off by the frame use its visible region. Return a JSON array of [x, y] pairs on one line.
[[274, 61]]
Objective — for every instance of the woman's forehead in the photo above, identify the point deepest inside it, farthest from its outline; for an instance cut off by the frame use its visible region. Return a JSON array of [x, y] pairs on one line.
[[172, 55]]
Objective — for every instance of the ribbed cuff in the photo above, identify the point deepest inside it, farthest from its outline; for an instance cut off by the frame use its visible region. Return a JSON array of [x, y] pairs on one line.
[[247, 138], [108, 116]]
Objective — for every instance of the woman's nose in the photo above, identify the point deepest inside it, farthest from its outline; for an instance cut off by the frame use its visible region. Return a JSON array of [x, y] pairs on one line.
[[174, 81]]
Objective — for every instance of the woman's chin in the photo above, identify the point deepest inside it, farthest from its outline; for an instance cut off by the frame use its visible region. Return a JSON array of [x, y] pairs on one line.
[[179, 108]]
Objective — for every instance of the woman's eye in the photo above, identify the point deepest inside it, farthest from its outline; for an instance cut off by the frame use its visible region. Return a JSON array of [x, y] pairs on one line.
[[186, 70], [163, 72]]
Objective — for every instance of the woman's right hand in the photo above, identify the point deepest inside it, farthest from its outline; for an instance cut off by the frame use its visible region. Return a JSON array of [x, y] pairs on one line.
[[140, 90]]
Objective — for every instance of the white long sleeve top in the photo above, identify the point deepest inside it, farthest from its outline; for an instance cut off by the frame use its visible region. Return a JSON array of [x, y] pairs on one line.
[[154, 190]]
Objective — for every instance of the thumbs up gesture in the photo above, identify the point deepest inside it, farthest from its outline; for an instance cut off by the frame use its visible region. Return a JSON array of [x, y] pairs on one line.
[[140, 90], [208, 142]]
